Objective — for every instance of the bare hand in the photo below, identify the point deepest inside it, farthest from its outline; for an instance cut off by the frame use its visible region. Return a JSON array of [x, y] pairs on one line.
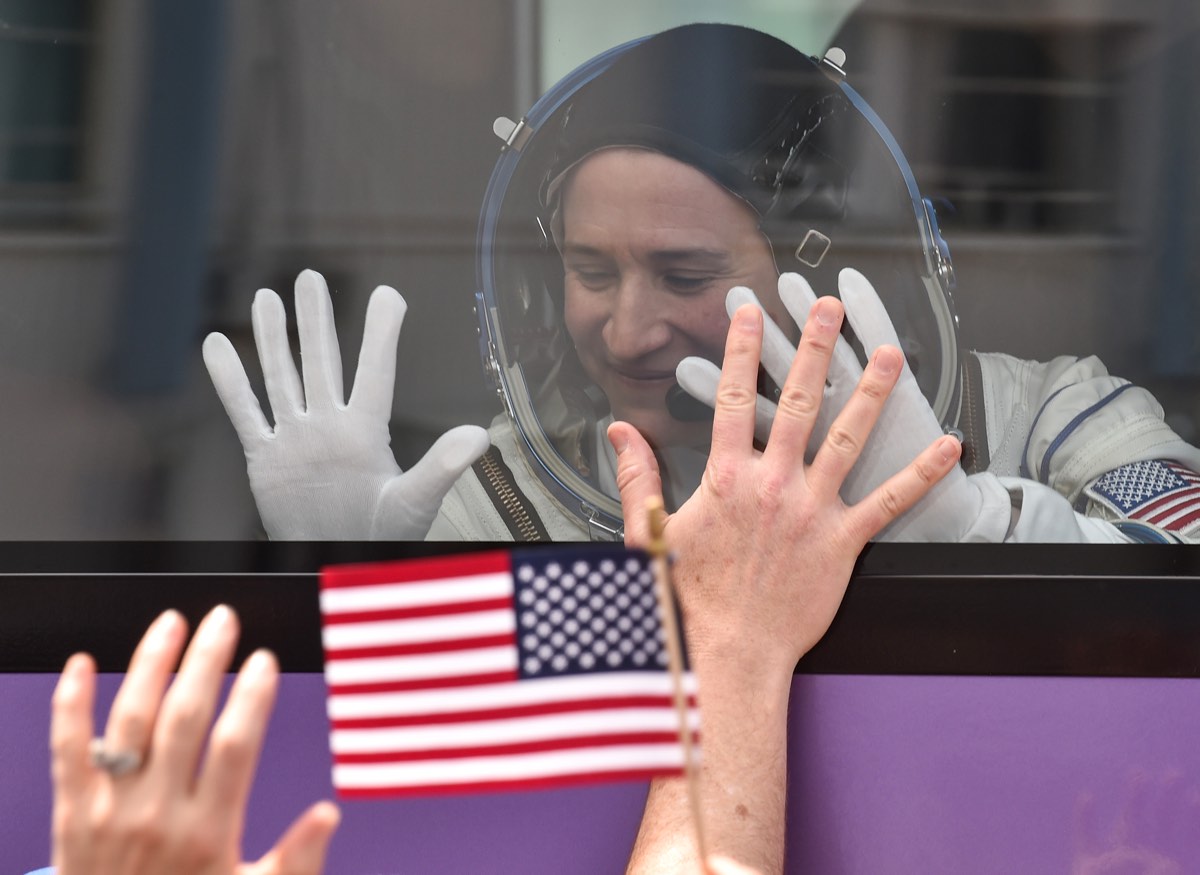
[[182, 812], [766, 544]]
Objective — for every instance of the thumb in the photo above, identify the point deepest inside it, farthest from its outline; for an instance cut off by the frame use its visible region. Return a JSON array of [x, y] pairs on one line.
[[411, 501], [637, 478], [301, 850]]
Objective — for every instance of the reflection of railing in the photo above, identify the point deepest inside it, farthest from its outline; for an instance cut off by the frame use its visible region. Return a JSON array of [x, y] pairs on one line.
[[1017, 123]]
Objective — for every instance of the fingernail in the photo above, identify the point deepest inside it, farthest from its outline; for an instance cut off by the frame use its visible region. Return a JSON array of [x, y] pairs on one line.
[[949, 447], [827, 312], [163, 633], [259, 664], [217, 624], [748, 318], [73, 669], [886, 361], [620, 443]]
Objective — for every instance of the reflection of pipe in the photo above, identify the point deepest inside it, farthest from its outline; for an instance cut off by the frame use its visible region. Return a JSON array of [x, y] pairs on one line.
[[170, 223], [1176, 340]]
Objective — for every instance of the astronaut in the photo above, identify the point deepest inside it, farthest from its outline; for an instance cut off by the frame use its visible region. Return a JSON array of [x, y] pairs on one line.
[[624, 208]]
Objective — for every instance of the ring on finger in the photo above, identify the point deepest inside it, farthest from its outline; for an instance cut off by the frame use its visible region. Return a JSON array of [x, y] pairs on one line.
[[115, 762]]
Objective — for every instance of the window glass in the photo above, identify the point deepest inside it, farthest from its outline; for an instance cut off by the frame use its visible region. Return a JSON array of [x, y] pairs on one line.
[[1016, 182]]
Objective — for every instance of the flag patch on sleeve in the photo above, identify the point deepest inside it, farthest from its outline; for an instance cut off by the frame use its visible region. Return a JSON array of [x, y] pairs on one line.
[[1157, 491]]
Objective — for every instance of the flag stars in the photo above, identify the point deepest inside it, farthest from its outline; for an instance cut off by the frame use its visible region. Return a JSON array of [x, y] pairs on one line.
[[588, 616]]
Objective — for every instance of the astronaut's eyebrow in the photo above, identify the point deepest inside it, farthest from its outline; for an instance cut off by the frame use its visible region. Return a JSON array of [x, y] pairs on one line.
[[581, 250], [700, 256]]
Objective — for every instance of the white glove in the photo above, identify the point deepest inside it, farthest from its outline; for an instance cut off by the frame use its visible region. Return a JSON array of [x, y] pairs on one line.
[[325, 471], [959, 508]]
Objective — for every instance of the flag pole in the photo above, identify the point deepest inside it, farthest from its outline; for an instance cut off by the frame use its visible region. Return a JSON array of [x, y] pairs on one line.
[[666, 600]]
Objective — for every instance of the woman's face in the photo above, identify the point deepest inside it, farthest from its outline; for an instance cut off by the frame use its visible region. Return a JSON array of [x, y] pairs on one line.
[[650, 248]]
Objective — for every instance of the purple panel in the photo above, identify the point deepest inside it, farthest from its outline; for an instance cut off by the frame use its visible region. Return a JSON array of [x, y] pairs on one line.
[[903, 775], [1088, 776]]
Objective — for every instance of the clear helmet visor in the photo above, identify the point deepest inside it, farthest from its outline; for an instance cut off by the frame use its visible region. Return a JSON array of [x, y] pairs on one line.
[[778, 131]]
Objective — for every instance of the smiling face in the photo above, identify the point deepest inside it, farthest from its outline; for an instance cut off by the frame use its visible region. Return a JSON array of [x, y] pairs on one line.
[[650, 248]]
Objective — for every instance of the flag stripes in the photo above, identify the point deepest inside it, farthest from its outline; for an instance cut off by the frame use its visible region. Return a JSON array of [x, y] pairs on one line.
[[440, 681], [530, 710], [511, 772]]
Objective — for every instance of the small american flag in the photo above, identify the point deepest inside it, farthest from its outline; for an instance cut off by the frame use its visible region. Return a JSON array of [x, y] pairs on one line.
[[1158, 491], [498, 671]]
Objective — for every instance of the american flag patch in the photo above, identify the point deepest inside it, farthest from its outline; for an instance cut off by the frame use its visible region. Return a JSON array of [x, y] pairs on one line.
[[498, 671], [1158, 491]]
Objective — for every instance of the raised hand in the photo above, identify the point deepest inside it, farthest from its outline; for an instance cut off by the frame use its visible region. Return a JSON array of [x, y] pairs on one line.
[[764, 551], [325, 469], [161, 792], [959, 508]]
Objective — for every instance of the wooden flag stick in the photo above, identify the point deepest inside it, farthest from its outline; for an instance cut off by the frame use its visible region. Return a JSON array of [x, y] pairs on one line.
[[666, 601]]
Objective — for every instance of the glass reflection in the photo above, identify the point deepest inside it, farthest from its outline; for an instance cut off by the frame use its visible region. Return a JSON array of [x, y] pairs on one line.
[[162, 167]]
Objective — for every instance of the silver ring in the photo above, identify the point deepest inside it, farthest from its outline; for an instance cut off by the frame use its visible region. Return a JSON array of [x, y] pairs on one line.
[[115, 762]]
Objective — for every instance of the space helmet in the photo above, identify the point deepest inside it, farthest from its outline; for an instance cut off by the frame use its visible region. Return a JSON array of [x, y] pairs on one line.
[[781, 131]]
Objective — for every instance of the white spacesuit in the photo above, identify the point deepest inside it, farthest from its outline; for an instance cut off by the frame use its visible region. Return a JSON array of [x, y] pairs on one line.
[[1059, 451]]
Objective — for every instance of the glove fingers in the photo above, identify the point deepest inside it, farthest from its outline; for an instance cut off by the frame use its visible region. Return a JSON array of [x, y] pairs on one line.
[[233, 388], [699, 378], [275, 355], [375, 379], [320, 355], [777, 350], [866, 313], [409, 502], [844, 368]]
